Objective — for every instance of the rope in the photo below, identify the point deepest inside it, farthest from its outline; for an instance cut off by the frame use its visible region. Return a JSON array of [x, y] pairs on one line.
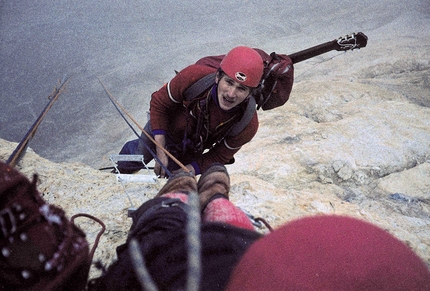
[[20, 150], [193, 242], [116, 103], [193, 245], [265, 223], [96, 242], [142, 272]]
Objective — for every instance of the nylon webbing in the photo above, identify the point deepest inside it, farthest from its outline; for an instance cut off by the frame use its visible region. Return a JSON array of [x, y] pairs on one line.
[[246, 118], [199, 87]]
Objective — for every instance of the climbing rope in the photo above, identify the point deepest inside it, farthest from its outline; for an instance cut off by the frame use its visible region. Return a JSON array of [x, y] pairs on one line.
[[139, 266], [193, 242], [118, 107], [96, 242]]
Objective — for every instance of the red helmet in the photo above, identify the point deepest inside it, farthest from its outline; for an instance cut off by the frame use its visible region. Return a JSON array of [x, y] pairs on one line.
[[244, 65]]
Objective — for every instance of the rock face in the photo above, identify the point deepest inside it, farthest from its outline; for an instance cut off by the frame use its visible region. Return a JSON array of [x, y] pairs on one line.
[[357, 147], [339, 147], [354, 139], [355, 151]]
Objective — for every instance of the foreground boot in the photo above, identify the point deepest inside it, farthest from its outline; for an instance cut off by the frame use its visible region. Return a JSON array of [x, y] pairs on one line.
[[181, 182], [214, 183]]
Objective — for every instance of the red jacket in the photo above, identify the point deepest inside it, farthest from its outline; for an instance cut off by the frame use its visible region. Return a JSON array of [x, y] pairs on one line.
[[170, 114]]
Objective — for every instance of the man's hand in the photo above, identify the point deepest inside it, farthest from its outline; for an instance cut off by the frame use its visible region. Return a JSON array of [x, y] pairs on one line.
[[158, 169]]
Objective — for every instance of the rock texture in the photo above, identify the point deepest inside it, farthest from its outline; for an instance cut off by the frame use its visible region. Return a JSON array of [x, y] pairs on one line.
[[354, 139], [348, 147]]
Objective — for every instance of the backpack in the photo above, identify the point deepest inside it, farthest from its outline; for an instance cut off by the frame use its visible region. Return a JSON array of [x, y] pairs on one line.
[[274, 89]]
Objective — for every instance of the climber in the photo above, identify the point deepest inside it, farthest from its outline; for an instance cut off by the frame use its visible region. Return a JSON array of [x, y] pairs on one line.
[[196, 130]]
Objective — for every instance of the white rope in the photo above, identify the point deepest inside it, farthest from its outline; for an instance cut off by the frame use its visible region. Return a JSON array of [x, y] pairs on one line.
[[138, 262], [193, 242]]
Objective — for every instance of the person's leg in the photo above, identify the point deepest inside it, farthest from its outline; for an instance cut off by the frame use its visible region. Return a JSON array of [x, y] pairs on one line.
[[144, 140], [177, 188], [214, 186], [223, 210], [159, 228], [137, 147]]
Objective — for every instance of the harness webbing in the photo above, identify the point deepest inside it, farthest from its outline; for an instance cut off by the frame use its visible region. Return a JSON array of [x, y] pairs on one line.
[[246, 118], [199, 87]]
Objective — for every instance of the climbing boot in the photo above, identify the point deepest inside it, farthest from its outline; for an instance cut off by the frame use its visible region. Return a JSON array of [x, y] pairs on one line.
[[214, 183], [182, 182]]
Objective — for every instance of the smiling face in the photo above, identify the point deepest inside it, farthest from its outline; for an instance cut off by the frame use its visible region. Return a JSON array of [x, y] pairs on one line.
[[230, 93]]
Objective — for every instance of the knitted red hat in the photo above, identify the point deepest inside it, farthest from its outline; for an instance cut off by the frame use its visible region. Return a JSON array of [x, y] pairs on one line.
[[40, 248], [330, 253]]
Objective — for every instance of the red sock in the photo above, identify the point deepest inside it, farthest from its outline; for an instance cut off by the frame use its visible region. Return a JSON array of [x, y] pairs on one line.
[[181, 196], [222, 210]]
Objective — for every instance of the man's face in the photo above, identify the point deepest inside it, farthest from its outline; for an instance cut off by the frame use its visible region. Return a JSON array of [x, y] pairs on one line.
[[231, 93]]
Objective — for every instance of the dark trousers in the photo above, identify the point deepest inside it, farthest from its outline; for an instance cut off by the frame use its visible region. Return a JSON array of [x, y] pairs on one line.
[[160, 231], [137, 147]]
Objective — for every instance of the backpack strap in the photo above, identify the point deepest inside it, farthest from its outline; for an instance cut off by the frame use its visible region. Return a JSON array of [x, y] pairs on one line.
[[199, 87], [246, 118]]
